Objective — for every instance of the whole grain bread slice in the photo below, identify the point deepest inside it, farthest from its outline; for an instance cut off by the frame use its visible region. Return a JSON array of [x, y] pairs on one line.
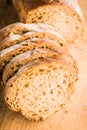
[[10, 52], [62, 17], [32, 30], [40, 87], [16, 28]]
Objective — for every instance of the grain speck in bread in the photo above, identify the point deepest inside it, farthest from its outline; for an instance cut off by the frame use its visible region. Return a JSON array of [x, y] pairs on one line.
[[40, 87], [65, 19]]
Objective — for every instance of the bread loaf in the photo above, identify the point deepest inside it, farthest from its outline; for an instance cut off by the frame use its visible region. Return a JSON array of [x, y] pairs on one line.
[[40, 87], [17, 32], [68, 21], [38, 73]]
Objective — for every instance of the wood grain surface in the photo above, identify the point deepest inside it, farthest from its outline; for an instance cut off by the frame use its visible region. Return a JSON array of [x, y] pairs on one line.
[[74, 115]]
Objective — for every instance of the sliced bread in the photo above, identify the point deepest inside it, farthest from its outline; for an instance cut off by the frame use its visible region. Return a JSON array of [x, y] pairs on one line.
[[16, 62], [33, 30], [8, 53], [40, 87], [64, 19], [16, 28]]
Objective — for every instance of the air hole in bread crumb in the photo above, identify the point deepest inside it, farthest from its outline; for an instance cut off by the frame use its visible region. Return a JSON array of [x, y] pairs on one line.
[[51, 91], [34, 114], [11, 85], [23, 96], [61, 68], [54, 68], [43, 93], [16, 94], [41, 70], [36, 97], [45, 110], [59, 92], [58, 86], [26, 85], [48, 71], [64, 82], [7, 98], [40, 111]]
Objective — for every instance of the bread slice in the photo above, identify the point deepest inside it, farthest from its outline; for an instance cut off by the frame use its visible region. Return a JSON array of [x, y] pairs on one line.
[[65, 20], [27, 31], [8, 53], [16, 62], [40, 87], [16, 28], [73, 4]]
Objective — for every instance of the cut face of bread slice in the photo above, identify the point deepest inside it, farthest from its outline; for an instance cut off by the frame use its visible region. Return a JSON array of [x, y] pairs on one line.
[[40, 87], [8, 53], [66, 21], [21, 59], [32, 30]]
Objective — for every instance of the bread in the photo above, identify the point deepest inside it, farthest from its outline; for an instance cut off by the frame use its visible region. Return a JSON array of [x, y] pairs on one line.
[[16, 28], [8, 53], [71, 3], [74, 5], [64, 19], [40, 87], [13, 34], [16, 62]]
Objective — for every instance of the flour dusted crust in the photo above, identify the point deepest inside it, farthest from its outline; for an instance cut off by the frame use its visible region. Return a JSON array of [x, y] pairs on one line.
[[14, 33], [40, 87], [66, 19]]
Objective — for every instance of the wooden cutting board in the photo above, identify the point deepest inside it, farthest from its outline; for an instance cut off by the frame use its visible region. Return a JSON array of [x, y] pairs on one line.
[[74, 115]]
